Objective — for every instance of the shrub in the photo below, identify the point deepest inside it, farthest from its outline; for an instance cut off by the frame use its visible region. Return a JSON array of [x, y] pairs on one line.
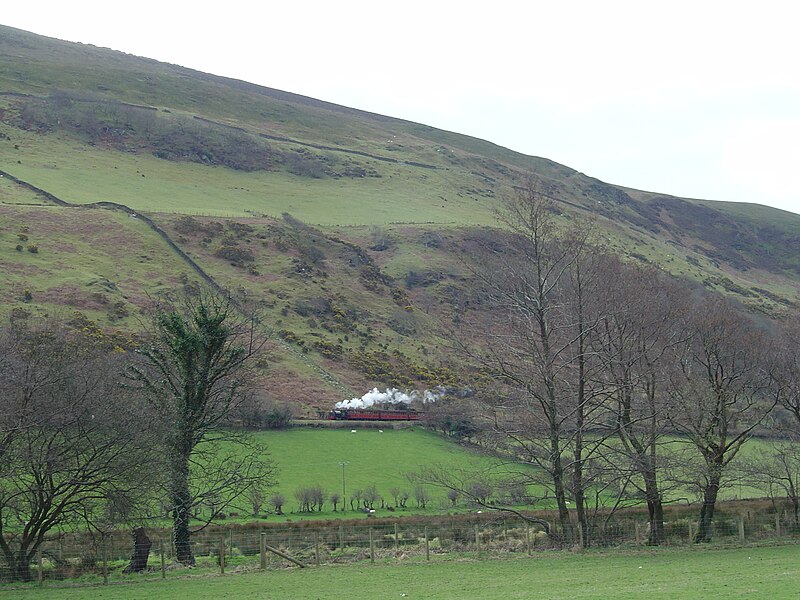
[[315, 305], [452, 495], [256, 498], [455, 418], [310, 498], [305, 164], [311, 253], [264, 413], [328, 349], [235, 255], [480, 491], [421, 495], [277, 501], [381, 240], [278, 416]]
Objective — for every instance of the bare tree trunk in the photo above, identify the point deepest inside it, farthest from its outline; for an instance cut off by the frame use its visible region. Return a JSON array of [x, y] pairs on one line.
[[22, 569], [577, 482], [655, 510], [19, 568], [558, 487], [581, 409], [705, 525], [141, 551]]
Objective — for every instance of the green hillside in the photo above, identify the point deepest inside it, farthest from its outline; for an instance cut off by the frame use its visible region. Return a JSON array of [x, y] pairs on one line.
[[346, 229]]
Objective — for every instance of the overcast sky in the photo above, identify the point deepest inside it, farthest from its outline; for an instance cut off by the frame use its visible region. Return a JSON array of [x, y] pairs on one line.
[[698, 99]]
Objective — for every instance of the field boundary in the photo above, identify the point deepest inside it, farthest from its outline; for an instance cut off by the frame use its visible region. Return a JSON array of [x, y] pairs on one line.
[[100, 559]]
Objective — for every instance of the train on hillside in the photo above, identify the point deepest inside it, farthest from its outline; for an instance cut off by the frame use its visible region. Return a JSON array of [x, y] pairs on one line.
[[366, 414]]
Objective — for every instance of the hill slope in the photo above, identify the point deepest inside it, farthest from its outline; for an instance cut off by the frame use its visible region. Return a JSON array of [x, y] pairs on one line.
[[345, 227]]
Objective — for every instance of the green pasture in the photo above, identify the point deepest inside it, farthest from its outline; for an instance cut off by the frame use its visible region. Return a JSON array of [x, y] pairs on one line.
[[766, 572], [83, 174], [306, 457]]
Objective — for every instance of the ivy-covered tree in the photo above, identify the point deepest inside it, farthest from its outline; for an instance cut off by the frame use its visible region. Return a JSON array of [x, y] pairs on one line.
[[192, 370]]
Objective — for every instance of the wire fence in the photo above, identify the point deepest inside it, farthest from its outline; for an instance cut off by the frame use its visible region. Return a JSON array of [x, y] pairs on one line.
[[83, 559]]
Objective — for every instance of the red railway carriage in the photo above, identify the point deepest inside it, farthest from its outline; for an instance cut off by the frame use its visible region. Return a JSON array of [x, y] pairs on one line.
[[362, 414]]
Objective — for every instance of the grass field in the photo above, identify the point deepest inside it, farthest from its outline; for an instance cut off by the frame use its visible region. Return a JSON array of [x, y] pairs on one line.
[[767, 572], [307, 457]]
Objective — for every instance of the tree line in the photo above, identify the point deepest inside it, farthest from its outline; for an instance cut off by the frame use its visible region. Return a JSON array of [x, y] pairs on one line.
[[619, 383]]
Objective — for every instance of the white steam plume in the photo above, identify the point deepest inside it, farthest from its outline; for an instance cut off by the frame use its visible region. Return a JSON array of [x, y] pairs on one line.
[[390, 396]]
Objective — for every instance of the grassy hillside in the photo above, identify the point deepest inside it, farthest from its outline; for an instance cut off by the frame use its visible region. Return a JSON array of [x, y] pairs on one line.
[[68, 259], [346, 229]]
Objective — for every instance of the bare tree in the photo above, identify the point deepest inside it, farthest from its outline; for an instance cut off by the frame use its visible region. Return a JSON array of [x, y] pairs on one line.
[[277, 501], [370, 496], [636, 332], [777, 470], [256, 497], [304, 499], [192, 370], [404, 496], [721, 390], [318, 496], [74, 446], [421, 495], [787, 371], [533, 338]]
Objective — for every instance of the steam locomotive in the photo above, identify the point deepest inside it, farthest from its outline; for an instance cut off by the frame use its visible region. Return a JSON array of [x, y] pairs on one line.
[[363, 414]]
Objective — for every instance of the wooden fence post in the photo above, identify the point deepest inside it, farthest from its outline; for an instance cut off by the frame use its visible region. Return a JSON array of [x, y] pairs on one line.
[[316, 546], [262, 550], [427, 546], [222, 556], [477, 541], [638, 533], [341, 537], [104, 550], [163, 558], [527, 538], [396, 538], [39, 567], [371, 547], [778, 524]]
